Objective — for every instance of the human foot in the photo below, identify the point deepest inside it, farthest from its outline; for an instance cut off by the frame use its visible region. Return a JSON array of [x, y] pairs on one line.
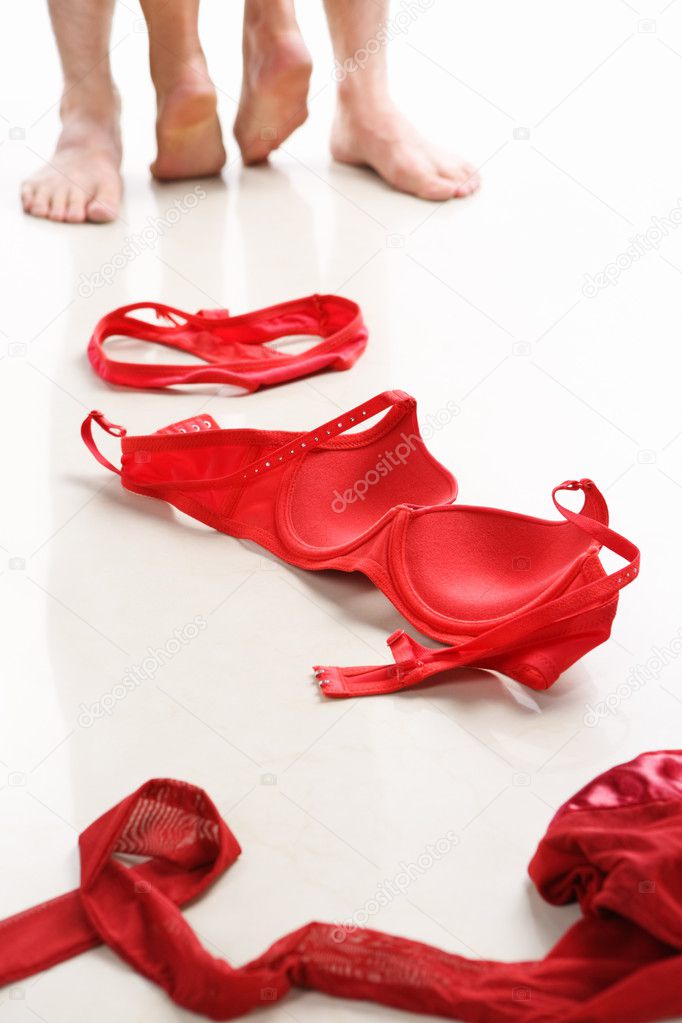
[[188, 135], [375, 134], [82, 181], [277, 68]]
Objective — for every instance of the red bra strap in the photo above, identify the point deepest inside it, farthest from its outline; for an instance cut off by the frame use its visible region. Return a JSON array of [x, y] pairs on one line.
[[209, 333], [111, 428], [275, 459], [414, 662]]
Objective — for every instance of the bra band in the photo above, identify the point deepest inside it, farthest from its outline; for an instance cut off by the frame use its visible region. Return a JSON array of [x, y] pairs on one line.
[[249, 473], [415, 663], [234, 348], [622, 966]]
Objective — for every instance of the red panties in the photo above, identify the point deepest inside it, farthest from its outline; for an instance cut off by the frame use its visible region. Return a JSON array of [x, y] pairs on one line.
[[235, 349], [615, 847], [520, 595]]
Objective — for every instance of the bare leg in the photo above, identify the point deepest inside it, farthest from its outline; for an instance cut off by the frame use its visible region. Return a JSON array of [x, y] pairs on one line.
[[82, 180], [188, 135], [275, 81], [368, 129]]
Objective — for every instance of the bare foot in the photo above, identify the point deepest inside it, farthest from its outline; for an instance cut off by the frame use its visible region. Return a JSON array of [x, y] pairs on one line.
[[188, 135], [375, 134], [82, 181], [277, 68]]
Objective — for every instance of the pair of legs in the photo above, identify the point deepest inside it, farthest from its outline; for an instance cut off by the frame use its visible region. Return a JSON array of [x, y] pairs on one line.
[[368, 129], [82, 182]]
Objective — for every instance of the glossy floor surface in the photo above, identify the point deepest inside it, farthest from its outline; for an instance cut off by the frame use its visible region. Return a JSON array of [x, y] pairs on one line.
[[492, 313]]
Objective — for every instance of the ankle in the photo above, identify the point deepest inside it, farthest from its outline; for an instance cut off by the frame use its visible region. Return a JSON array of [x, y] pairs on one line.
[[180, 68], [91, 99], [360, 93], [269, 17], [91, 119]]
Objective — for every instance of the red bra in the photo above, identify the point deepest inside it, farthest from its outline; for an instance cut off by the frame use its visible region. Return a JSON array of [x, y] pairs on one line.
[[615, 847], [520, 595], [235, 348]]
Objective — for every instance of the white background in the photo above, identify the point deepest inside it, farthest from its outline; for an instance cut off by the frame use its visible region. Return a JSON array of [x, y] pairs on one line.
[[478, 302]]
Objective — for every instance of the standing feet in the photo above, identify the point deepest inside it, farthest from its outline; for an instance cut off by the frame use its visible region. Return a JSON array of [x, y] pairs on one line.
[[371, 132], [277, 68], [82, 181]]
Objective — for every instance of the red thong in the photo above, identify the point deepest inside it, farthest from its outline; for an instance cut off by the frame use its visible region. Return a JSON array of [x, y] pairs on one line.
[[616, 848], [234, 348], [519, 595]]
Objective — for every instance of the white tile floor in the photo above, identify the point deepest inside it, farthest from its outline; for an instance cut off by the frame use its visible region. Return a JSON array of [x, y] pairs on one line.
[[572, 109]]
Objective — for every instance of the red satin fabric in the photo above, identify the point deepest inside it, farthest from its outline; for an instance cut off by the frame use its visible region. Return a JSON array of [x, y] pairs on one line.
[[520, 595], [616, 848], [234, 348]]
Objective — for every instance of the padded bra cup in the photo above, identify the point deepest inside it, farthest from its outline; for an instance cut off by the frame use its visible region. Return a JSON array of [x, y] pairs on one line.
[[491, 562], [318, 507]]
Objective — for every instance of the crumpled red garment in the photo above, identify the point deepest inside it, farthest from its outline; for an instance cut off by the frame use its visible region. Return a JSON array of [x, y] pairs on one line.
[[244, 351], [615, 847]]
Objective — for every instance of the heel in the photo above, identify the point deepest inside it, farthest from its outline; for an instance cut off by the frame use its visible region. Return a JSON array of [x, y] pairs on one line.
[[555, 649]]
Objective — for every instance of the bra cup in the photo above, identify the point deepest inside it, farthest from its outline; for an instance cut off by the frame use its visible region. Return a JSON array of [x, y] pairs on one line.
[[368, 551], [475, 566], [338, 494]]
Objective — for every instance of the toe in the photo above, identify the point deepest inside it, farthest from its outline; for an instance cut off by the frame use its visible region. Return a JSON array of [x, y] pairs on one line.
[[58, 203], [468, 180], [463, 176], [438, 188], [40, 203], [75, 207], [27, 193], [426, 182], [415, 175], [103, 207]]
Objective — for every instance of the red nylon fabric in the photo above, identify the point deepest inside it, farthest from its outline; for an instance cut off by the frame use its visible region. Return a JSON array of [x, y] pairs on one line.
[[615, 847], [520, 595], [234, 348]]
